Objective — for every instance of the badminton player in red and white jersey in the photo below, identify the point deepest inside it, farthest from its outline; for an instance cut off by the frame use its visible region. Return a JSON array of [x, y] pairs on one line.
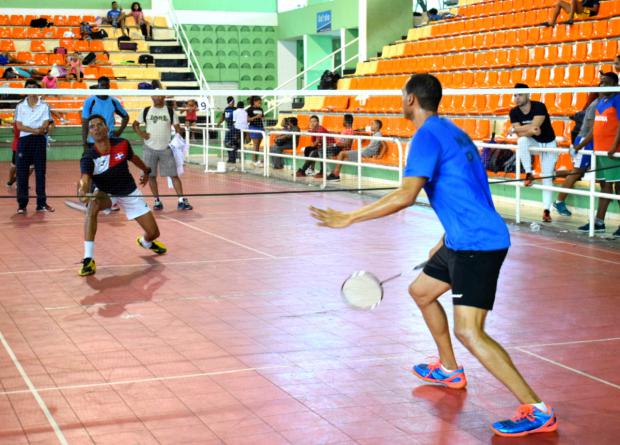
[[106, 164]]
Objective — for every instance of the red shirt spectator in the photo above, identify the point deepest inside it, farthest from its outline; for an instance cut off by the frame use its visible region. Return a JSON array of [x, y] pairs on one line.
[[321, 129]]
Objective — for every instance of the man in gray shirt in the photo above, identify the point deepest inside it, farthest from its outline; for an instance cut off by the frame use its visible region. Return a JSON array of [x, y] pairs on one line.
[[580, 161], [375, 149]]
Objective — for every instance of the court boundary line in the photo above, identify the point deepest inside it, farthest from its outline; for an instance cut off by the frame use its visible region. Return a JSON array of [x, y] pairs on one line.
[[566, 343], [33, 390], [568, 368], [206, 232]]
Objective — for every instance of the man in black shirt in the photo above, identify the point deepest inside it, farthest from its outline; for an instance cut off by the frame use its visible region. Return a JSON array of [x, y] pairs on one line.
[[582, 8], [106, 164], [532, 124], [227, 117]]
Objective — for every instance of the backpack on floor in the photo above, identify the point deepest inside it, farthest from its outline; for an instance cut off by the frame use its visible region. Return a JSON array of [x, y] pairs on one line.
[[146, 59]]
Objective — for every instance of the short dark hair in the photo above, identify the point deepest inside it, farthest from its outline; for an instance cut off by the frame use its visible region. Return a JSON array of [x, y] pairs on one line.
[[348, 119], [97, 116], [433, 11], [427, 89], [293, 120], [156, 84], [379, 123], [611, 75], [103, 79], [230, 100], [32, 82], [240, 104], [521, 86], [314, 116]]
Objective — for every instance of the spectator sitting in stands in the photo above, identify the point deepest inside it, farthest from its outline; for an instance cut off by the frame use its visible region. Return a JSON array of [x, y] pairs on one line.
[[6, 58], [141, 22], [375, 149], [312, 151], [116, 18], [606, 135], [532, 124], [49, 81], [285, 141], [74, 67], [433, 15], [580, 8], [342, 144]]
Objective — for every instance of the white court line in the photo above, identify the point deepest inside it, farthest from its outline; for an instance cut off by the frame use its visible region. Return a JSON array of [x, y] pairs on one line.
[[566, 343], [159, 263], [568, 368], [577, 254], [198, 229], [33, 390], [193, 375]]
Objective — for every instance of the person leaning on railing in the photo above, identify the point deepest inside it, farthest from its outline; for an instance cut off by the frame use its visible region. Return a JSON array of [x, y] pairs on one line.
[[606, 132]]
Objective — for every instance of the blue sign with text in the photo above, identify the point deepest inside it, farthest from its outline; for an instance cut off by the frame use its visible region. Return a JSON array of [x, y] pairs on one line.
[[323, 21]]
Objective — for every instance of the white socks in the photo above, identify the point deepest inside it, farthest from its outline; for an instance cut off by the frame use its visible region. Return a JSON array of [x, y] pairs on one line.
[[447, 370], [144, 243], [181, 199], [541, 406], [89, 249]]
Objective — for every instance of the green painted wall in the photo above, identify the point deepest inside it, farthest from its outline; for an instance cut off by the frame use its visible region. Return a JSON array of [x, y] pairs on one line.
[[302, 21], [386, 25], [67, 4], [231, 5], [244, 54], [318, 47]]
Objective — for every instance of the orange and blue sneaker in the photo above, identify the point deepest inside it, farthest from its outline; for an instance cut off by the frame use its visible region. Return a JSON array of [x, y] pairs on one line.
[[435, 373], [528, 420]]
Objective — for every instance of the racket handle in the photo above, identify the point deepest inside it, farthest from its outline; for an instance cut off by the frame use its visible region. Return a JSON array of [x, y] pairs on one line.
[[391, 278]]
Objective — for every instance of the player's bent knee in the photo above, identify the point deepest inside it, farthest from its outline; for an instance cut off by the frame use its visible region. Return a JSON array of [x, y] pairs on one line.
[[467, 335], [419, 295]]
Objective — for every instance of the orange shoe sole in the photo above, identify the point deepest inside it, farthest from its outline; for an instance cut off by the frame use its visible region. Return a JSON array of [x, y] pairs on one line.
[[454, 385], [549, 427]]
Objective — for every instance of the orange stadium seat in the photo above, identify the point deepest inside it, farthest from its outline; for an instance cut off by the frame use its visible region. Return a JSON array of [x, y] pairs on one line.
[[25, 57], [37, 46], [96, 45], [41, 59], [18, 32], [58, 59], [18, 20], [7, 45]]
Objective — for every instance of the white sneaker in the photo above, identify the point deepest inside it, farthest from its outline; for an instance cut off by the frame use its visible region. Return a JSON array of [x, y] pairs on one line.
[[310, 172]]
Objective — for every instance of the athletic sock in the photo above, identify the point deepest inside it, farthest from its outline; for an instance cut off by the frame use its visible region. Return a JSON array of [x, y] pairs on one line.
[[89, 249], [541, 406], [181, 199], [144, 243], [599, 221], [444, 369]]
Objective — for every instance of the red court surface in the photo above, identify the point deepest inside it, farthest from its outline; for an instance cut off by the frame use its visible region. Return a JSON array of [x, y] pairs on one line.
[[238, 335]]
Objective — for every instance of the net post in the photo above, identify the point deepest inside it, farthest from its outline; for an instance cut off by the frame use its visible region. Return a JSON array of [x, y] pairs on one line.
[[266, 153], [294, 157], [359, 164], [205, 148], [591, 208], [324, 161], [517, 187], [242, 148]]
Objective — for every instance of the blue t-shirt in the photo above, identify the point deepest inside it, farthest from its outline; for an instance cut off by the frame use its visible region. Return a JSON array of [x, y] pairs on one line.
[[457, 186], [114, 14], [107, 108]]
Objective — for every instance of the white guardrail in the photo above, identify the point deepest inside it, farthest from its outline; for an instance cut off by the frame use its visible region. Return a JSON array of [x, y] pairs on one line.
[[266, 154]]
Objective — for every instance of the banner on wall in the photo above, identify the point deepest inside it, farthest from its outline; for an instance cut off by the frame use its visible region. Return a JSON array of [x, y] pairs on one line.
[[323, 21]]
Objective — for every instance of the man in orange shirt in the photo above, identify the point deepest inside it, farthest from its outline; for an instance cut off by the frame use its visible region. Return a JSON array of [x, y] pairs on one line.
[[606, 134]]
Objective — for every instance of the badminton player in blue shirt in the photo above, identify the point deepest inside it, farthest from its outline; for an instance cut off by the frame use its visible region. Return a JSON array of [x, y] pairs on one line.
[[467, 260]]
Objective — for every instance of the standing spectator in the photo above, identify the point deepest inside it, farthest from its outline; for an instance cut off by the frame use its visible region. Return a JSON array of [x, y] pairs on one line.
[[116, 18], [581, 8], [255, 120], [375, 149], [240, 120], [105, 106], [532, 124], [159, 119], [32, 117], [285, 141], [581, 161], [606, 133], [316, 147], [141, 22], [227, 117], [49, 81], [191, 116]]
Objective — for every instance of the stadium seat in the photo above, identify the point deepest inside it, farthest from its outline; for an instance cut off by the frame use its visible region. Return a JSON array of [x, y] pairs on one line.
[[7, 45], [41, 59], [25, 57], [37, 46]]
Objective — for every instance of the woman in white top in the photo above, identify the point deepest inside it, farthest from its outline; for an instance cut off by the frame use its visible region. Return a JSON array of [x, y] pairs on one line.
[[240, 119]]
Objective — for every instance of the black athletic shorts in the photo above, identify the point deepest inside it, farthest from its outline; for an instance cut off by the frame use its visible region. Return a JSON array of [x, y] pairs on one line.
[[472, 274]]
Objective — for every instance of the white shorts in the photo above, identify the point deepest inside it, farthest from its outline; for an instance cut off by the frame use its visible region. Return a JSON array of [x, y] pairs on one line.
[[133, 205]]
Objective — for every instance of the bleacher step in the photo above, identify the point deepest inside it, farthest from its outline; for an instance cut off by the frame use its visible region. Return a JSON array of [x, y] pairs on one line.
[[166, 49], [171, 63], [178, 77]]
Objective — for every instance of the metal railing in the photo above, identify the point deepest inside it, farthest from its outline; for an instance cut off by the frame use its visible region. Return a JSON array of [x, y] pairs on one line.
[[589, 177], [266, 154]]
